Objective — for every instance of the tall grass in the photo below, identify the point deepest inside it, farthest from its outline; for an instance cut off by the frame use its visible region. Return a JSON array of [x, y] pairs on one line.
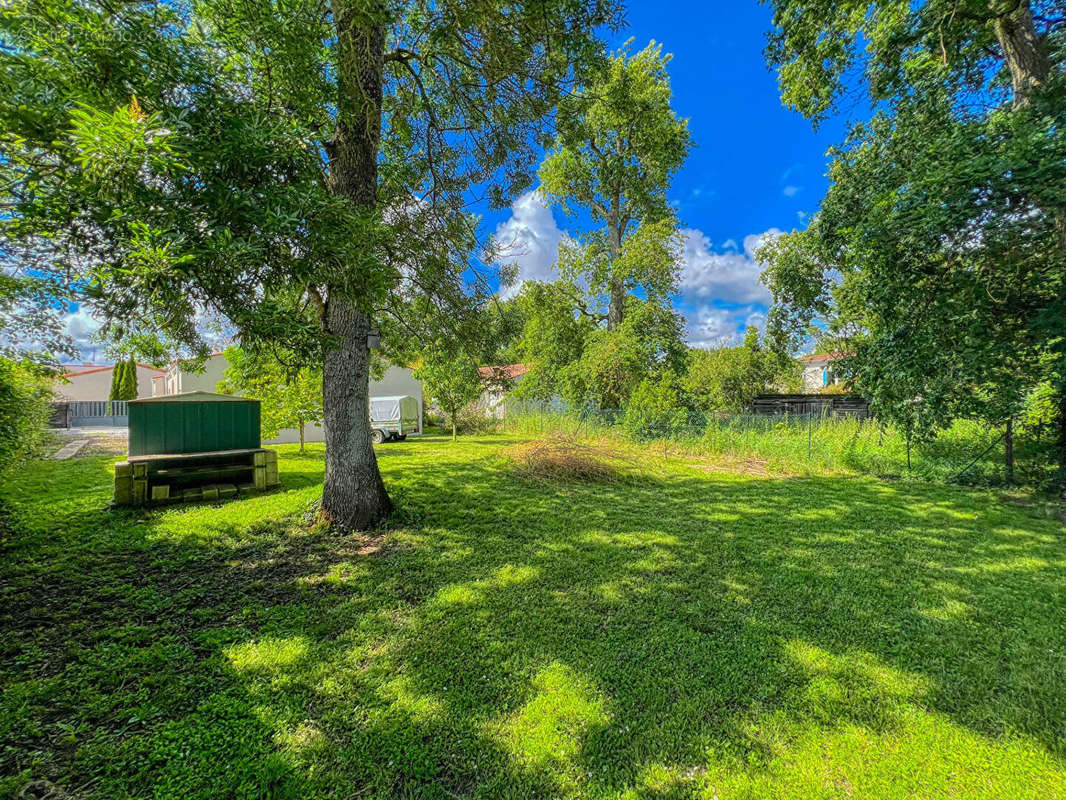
[[969, 452]]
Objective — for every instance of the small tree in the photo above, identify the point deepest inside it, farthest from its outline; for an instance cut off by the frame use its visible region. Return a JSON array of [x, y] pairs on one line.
[[290, 395], [451, 378]]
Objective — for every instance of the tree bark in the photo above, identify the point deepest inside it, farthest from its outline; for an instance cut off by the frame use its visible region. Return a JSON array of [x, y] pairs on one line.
[[1024, 51], [1008, 449], [353, 494], [1026, 55], [616, 307], [301, 425], [1060, 442]]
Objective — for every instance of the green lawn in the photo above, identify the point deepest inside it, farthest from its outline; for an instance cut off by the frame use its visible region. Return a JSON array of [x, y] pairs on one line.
[[680, 632]]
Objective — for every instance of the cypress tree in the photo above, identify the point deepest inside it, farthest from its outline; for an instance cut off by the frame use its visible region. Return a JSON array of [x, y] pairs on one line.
[[116, 380], [128, 385]]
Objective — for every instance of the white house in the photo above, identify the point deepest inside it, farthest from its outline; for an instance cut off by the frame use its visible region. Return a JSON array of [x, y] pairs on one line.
[[498, 382], [93, 382], [818, 371], [395, 381]]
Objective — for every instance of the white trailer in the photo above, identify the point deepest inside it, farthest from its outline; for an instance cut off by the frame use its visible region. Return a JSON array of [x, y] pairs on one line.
[[394, 418]]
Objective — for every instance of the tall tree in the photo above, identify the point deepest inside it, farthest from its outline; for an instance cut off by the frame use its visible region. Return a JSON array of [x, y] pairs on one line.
[[941, 238], [301, 168], [618, 146], [117, 372]]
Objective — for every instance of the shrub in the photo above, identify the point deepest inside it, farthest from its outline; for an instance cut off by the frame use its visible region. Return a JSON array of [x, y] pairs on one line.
[[24, 412], [654, 410]]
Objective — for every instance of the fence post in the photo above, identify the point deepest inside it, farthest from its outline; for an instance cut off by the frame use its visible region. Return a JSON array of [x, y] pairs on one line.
[[1009, 448], [810, 424]]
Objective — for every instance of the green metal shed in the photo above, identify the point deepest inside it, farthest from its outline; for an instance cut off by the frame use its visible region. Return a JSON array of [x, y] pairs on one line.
[[192, 422]]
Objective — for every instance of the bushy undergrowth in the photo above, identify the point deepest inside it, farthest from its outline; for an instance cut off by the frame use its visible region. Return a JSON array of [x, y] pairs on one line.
[[969, 452], [24, 410]]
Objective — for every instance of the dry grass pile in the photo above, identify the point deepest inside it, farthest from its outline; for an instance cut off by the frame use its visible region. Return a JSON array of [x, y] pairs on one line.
[[565, 458]]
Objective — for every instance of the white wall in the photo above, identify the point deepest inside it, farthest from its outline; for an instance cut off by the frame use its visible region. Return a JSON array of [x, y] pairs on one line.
[[95, 384], [179, 380], [812, 375]]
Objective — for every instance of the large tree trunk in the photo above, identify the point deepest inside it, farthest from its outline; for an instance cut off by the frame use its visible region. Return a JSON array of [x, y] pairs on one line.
[[353, 494]]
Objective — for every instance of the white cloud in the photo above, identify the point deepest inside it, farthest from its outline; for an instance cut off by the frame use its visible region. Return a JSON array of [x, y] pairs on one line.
[[756, 319], [728, 276], [710, 327], [530, 239], [791, 191], [81, 326]]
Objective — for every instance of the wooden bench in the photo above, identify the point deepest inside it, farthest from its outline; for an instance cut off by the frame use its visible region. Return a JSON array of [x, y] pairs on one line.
[[171, 477]]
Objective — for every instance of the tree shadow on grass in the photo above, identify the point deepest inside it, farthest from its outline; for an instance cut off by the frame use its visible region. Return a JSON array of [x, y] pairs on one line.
[[522, 639]]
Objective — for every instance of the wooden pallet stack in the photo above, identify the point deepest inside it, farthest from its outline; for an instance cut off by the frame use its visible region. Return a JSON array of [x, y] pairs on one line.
[[154, 479]]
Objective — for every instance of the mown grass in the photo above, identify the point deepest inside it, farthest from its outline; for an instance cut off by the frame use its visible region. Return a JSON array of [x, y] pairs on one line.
[[681, 632]]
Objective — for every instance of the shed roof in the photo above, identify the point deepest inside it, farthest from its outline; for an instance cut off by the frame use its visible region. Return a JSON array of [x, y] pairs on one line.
[[195, 397]]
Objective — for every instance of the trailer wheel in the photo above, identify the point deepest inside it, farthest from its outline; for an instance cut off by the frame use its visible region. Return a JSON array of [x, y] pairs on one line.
[[401, 437], [378, 437]]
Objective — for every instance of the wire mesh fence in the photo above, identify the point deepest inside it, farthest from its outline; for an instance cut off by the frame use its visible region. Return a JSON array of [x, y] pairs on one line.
[[814, 442]]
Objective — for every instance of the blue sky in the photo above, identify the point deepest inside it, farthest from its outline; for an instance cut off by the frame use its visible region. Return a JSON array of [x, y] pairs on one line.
[[756, 167]]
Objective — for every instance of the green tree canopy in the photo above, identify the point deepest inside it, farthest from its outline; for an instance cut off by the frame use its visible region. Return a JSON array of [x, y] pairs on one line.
[[940, 240], [301, 170], [647, 345], [729, 378]]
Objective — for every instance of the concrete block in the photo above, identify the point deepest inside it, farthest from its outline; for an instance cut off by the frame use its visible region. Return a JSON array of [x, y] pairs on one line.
[[123, 469], [140, 492], [260, 478], [160, 493], [192, 495], [140, 470], [123, 490], [210, 493], [227, 490], [260, 458]]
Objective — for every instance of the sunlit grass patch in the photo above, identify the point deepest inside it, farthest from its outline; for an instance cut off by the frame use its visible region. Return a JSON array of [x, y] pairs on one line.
[[670, 632], [549, 729]]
